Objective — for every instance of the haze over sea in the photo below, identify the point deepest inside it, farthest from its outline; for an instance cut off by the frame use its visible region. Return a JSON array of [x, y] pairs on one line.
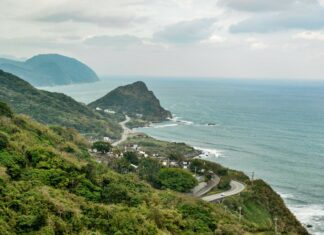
[[274, 129]]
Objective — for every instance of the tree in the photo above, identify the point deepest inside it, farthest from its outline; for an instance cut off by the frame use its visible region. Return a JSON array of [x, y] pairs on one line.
[[196, 165], [122, 166], [176, 179], [131, 157], [5, 110], [148, 169], [4, 141], [102, 147], [176, 157]]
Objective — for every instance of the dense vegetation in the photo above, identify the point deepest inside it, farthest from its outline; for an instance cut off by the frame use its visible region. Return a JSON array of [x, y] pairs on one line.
[[50, 69], [135, 100], [54, 108], [159, 147], [176, 179], [50, 185]]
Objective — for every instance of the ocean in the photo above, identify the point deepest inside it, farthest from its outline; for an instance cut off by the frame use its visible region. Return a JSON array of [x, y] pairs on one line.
[[274, 129]]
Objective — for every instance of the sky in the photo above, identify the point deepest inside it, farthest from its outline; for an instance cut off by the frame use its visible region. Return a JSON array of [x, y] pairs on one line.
[[258, 39]]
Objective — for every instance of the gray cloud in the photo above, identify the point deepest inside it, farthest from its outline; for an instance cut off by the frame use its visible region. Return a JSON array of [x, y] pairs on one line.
[[186, 31], [263, 5], [113, 41], [81, 17], [308, 17]]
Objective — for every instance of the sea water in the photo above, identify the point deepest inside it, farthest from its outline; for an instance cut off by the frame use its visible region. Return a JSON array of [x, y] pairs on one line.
[[272, 129]]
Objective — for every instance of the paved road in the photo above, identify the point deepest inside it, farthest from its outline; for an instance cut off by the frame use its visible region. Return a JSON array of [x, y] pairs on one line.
[[126, 131], [236, 188], [211, 184]]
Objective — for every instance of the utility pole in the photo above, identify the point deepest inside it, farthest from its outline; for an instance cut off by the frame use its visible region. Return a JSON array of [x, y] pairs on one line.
[[276, 225], [252, 177], [240, 213]]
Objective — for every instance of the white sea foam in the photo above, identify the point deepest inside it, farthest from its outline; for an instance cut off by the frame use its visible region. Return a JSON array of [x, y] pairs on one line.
[[185, 122], [165, 125], [310, 215], [287, 195], [179, 120], [207, 152]]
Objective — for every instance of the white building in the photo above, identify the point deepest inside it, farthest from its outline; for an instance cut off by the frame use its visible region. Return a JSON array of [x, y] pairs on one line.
[[109, 111]]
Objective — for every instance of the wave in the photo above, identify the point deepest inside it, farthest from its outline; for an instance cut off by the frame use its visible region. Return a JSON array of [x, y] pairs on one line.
[[310, 215], [207, 152], [178, 119], [166, 125]]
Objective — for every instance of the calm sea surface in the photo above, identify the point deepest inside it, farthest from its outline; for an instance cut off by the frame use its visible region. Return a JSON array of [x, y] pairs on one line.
[[273, 129]]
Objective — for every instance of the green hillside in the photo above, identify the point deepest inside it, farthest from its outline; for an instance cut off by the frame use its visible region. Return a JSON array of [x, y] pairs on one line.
[[50, 69], [135, 100], [54, 108], [50, 185]]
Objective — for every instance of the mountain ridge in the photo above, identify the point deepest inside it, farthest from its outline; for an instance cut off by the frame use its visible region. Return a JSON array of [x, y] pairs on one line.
[[49, 70], [136, 100], [54, 108]]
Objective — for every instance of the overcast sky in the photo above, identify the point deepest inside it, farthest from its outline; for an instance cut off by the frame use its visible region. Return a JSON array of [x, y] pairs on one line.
[[197, 38]]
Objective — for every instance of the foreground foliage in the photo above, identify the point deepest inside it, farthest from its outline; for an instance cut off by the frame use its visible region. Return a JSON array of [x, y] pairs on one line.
[[50, 185]]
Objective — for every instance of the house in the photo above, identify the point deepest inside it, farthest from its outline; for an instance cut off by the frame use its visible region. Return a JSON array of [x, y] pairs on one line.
[[106, 139], [138, 115], [165, 163], [143, 153], [98, 109], [134, 166], [109, 111], [185, 164], [135, 147]]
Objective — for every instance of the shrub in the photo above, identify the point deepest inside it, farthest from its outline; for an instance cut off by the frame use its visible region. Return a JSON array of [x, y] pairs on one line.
[[5, 110], [148, 170], [101, 146], [4, 141], [176, 179], [131, 157]]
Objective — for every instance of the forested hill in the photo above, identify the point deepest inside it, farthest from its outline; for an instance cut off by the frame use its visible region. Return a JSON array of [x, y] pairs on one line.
[[50, 185], [49, 70], [135, 100], [54, 108]]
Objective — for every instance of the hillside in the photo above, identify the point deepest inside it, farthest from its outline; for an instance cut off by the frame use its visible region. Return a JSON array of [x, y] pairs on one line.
[[49, 70], [50, 185], [135, 100], [54, 108]]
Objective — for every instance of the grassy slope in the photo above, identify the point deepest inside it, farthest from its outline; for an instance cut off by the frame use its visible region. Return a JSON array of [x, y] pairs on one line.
[[54, 108], [49, 185]]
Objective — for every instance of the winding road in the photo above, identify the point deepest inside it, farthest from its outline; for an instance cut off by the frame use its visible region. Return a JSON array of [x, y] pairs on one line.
[[126, 131], [236, 188], [211, 184]]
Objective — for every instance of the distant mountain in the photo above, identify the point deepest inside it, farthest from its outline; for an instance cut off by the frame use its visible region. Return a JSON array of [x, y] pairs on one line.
[[135, 100], [54, 108], [49, 70]]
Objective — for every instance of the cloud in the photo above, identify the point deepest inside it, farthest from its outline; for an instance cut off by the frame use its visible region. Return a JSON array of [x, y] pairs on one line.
[[98, 19], [309, 17], [186, 31], [310, 36], [256, 44], [262, 5], [113, 41]]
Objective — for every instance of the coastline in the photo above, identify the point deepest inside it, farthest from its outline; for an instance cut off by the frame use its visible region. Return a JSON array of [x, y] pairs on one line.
[[208, 154]]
